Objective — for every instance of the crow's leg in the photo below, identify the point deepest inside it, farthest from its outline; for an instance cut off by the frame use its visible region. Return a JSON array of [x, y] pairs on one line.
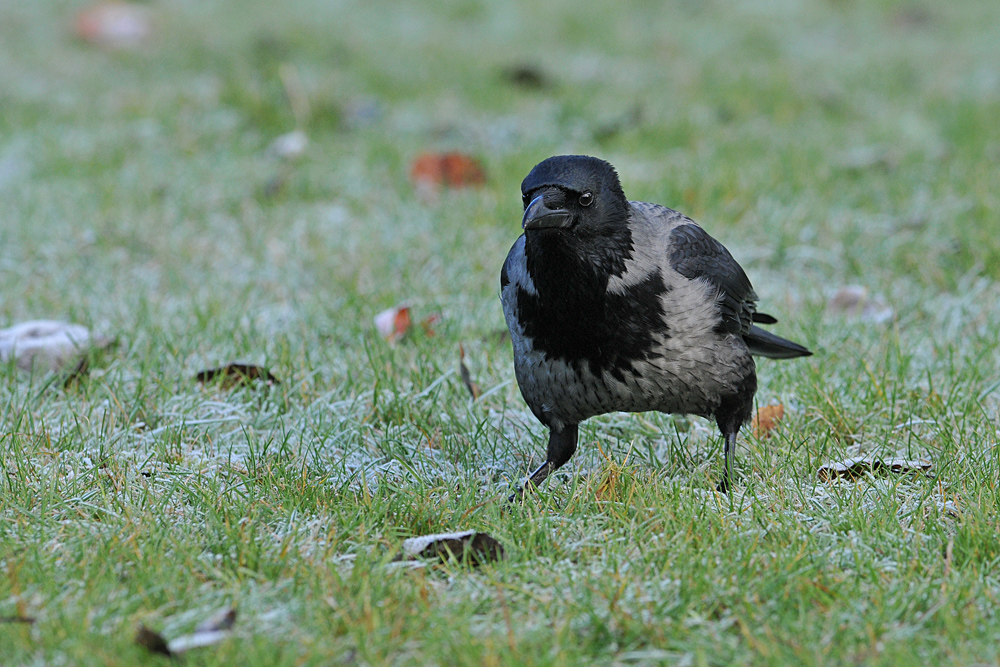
[[734, 411], [562, 445], [730, 455]]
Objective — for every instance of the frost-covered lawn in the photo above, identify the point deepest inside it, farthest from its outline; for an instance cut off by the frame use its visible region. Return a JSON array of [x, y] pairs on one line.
[[827, 144]]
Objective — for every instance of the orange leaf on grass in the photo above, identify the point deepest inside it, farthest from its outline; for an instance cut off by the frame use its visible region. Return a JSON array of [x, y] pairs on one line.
[[766, 420], [394, 323], [452, 169]]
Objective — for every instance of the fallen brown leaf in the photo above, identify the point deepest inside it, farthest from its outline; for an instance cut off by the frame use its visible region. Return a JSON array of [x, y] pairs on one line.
[[855, 301], [766, 420], [527, 76], [854, 468], [224, 619], [394, 323], [232, 375], [466, 376], [452, 169], [211, 631], [152, 641], [467, 546]]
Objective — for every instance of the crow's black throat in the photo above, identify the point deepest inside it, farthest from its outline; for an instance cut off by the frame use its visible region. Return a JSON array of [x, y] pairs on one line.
[[575, 318]]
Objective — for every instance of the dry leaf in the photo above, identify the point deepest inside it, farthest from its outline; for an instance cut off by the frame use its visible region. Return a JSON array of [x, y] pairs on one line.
[[152, 641], [766, 420], [854, 301], [854, 468], [211, 631], [455, 170], [197, 640], [466, 376], [527, 76], [901, 466], [115, 25], [471, 546], [232, 375], [224, 619], [394, 323], [47, 345]]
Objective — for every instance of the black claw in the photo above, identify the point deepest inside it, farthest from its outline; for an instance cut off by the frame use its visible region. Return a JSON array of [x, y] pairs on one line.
[[562, 444], [519, 492]]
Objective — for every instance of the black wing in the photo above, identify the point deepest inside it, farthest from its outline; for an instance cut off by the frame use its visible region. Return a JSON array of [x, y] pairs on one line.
[[695, 254]]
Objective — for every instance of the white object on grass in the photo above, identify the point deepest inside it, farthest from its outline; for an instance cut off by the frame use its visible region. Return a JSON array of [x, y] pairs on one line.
[[290, 146], [45, 345]]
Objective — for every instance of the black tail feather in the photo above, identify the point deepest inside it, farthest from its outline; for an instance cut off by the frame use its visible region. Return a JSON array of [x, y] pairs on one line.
[[765, 344]]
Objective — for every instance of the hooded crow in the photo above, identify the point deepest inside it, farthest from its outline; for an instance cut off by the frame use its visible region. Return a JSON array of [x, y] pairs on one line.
[[617, 305]]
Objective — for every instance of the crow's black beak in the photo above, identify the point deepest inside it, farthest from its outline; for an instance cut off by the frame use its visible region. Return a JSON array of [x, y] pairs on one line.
[[540, 216]]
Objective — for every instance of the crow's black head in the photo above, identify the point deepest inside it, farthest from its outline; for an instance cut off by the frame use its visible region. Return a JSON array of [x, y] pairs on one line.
[[577, 194], [576, 222]]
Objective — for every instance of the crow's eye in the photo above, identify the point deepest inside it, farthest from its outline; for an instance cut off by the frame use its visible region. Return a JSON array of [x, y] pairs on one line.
[[586, 199], [524, 198]]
